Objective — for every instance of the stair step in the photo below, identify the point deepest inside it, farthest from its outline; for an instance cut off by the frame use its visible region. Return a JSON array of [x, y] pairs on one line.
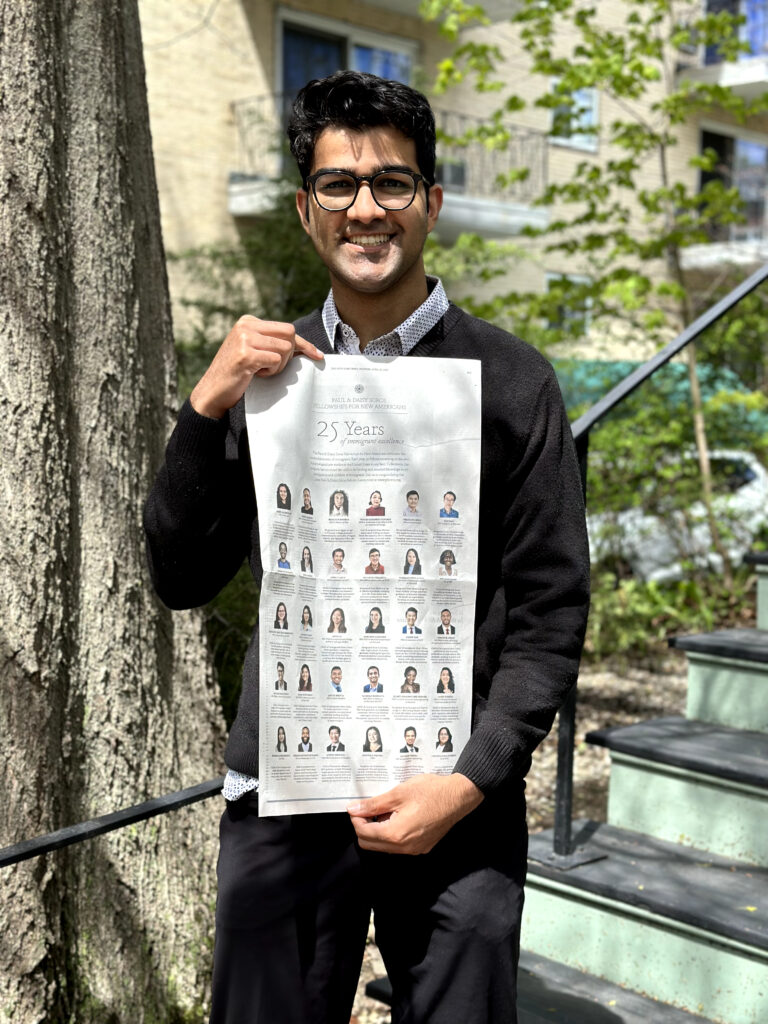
[[681, 925], [549, 991], [727, 677], [743, 644], [694, 783], [704, 747]]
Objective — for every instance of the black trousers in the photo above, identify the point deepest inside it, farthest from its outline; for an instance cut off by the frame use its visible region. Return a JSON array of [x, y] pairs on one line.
[[294, 901]]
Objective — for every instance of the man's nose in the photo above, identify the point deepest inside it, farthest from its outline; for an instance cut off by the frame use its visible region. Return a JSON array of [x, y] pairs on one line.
[[365, 208]]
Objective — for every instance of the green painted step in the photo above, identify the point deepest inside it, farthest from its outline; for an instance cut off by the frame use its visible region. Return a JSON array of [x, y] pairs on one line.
[[693, 783], [677, 924], [727, 677]]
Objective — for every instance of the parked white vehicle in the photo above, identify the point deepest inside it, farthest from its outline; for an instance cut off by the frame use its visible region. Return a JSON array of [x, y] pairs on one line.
[[654, 546]]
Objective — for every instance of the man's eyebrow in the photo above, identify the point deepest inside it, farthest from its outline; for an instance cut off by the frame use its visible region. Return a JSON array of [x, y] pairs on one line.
[[380, 168]]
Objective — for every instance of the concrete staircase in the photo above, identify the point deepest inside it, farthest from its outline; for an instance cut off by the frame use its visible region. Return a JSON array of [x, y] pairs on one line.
[[670, 897]]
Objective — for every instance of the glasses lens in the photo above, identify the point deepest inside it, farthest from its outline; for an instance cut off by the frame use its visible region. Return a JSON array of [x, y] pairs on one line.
[[335, 191], [394, 190]]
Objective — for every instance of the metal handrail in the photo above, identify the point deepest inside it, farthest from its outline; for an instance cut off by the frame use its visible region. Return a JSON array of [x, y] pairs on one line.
[[562, 841], [29, 848]]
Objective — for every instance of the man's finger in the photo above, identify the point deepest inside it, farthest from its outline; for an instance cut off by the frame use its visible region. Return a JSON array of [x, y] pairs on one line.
[[306, 348]]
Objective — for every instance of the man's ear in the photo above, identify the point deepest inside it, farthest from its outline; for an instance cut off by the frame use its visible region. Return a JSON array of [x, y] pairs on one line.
[[435, 205], [302, 207]]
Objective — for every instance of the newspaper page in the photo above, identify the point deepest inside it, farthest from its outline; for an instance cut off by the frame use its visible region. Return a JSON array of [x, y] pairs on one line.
[[367, 475]]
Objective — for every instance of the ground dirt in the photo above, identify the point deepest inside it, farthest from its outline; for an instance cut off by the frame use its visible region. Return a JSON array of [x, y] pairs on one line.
[[608, 695]]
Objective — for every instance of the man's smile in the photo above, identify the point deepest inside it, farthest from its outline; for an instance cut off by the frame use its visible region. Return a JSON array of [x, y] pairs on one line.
[[369, 241]]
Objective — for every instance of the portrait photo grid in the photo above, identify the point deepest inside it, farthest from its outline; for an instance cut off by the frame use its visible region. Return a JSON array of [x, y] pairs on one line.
[[367, 483]]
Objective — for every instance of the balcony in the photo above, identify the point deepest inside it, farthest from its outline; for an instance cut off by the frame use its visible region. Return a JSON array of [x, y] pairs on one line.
[[742, 163], [469, 174], [747, 77]]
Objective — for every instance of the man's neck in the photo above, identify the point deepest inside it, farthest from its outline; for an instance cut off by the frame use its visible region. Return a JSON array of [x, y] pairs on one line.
[[371, 316]]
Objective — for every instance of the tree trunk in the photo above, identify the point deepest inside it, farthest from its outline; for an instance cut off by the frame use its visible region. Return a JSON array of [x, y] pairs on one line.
[[105, 699]]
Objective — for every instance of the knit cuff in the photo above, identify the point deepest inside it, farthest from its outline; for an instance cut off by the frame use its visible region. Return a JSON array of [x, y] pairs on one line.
[[490, 759]]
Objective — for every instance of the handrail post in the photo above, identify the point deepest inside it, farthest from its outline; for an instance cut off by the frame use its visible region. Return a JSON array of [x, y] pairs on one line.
[[566, 723]]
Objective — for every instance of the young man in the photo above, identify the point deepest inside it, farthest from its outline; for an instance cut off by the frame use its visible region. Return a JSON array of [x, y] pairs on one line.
[[295, 893], [373, 685]]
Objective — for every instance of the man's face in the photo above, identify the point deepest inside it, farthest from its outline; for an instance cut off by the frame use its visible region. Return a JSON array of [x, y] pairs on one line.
[[445, 618], [366, 248], [334, 734], [373, 676], [374, 556], [410, 737], [305, 735], [280, 672], [448, 501], [413, 502], [410, 618], [338, 560], [336, 676]]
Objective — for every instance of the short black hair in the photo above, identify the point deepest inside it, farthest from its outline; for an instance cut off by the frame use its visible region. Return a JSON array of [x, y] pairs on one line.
[[357, 101]]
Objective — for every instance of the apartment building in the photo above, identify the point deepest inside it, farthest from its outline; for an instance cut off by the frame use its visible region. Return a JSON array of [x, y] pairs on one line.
[[222, 72]]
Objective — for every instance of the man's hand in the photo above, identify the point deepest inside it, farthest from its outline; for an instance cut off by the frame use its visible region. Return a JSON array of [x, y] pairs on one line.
[[414, 816], [253, 347]]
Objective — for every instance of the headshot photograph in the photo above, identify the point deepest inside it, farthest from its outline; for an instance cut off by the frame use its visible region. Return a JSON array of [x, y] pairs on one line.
[[447, 566], [444, 743], [338, 504], [445, 683], [335, 745], [410, 628], [375, 508], [372, 743], [336, 679], [282, 746], [337, 563], [306, 502], [375, 621], [446, 628], [374, 685], [412, 565], [305, 747], [409, 735], [284, 497], [448, 511], [409, 681], [411, 509], [280, 682], [374, 567], [337, 623], [306, 561], [282, 556], [306, 619], [281, 618], [305, 679]]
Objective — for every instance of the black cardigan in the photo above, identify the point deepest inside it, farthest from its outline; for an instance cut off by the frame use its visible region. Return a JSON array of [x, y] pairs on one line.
[[533, 563]]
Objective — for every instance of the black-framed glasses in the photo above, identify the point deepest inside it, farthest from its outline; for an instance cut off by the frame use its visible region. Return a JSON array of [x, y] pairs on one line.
[[391, 189]]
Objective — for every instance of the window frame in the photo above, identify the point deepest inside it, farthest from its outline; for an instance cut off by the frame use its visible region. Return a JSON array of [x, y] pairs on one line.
[[350, 34], [582, 141]]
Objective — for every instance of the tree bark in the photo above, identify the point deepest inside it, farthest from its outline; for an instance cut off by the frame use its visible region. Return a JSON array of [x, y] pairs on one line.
[[105, 699]]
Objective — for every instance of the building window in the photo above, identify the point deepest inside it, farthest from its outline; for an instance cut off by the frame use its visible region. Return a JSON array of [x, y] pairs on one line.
[[744, 164], [314, 47], [573, 308], [575, 124], [754, 31]]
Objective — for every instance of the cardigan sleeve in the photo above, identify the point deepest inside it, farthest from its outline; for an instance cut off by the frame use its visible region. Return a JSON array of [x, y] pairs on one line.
[[200, 517], [539, 608]]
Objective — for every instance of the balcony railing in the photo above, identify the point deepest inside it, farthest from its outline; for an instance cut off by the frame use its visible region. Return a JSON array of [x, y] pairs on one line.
[[474, 169]]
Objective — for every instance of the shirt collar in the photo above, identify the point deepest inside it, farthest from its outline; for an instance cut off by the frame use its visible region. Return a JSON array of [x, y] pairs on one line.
[[401, 340]]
